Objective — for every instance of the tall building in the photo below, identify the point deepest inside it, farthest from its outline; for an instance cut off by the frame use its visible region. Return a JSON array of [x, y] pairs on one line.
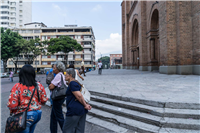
[[162, 36], [84, 36], [116, 61], [15, 13]]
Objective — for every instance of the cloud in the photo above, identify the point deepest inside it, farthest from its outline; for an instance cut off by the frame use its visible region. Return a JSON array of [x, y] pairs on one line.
[[59, 10], [112, 45], [56, 7], [97, 8]]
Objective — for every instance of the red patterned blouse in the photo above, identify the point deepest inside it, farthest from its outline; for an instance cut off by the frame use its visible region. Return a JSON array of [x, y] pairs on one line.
[[20, 96]]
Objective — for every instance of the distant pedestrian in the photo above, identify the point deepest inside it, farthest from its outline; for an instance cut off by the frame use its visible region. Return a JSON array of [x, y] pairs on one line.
[[100, 67], [49, 77], [21, 94], [77, 108], [56, 111], [76, 72], [83, 68], [11, 76]]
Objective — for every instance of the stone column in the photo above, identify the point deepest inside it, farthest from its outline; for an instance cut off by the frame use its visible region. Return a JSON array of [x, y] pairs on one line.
[[152, 43]]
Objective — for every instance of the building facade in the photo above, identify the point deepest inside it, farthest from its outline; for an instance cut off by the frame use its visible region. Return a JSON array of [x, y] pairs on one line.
[[161, 35], [15, 13], [116, 61], [83, 35]]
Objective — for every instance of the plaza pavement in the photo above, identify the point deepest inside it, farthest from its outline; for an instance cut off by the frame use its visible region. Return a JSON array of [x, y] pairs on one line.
[[145, 85]]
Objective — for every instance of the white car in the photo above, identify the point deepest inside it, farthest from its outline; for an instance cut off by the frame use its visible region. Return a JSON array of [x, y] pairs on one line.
[[3, 75]]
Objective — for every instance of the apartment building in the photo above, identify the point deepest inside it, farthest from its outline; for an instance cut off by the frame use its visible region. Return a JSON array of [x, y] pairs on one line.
[[15, 13], [116, 61], [84, 36]]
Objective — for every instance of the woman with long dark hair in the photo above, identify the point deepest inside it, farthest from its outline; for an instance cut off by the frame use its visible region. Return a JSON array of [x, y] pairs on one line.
[[21, 94]]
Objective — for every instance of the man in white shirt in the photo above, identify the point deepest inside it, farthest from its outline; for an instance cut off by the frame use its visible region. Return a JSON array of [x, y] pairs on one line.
[[83, 68], [99, 66]]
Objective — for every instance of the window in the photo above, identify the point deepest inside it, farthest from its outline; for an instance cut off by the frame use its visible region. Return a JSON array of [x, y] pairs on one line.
[[5, 7], [13, 9], [36, 62], [10, 63], [20, 21], [87, 56], [44, 56], [13, 14], [4, 12], [20, 16], [36, 31], [4, 23], [20, 11], [44, 37], [44, 63], [20, 1], [70, 56], [13, 3], [53, 56], [4, 17], [77, 37], [35, 25], [78, 56], [53, 63]]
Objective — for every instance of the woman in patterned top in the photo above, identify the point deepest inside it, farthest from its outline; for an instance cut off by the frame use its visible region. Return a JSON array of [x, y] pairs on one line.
[[21, 94]]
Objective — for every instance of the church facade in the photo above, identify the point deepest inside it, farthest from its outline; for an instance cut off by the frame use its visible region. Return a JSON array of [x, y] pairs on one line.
[[162, 36]]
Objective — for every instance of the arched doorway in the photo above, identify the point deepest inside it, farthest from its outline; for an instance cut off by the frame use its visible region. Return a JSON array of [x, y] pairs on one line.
[[135, 45], [154, 42]]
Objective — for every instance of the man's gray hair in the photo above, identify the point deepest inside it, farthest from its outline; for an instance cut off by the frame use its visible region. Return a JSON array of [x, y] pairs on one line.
[[71, 71], [60, 66]]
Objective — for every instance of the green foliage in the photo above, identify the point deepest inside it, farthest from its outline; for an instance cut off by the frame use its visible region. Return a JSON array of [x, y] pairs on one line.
[[9, 45], [63, 44], [31, 49], [105, 61]]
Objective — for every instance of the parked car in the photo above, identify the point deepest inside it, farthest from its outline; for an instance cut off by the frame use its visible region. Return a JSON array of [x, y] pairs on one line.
[[4, 75]]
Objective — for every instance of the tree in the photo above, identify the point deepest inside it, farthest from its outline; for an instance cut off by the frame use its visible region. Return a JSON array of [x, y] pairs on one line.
[[63, 44], [31, 49], [105, 61], [9, 45]]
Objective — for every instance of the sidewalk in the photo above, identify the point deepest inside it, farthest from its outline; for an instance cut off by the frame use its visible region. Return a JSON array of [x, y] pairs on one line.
[[145, 85]]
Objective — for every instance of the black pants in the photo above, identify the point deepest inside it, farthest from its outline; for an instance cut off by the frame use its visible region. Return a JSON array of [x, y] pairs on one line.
[[56, 115]]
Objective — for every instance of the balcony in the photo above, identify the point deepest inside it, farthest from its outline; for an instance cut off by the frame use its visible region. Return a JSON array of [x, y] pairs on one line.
[[48, 59], [70, 59], [78, 59], [81, 52], [87, 46], [87, 59], [87, 52], [60, 59]]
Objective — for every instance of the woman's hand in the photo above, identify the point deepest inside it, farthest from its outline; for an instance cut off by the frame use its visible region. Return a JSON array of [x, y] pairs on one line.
[[88, 107], [51, 86], [82, 78]]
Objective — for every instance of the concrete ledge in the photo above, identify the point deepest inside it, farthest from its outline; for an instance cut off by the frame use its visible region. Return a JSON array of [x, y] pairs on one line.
[[167, 69], [151, 68], [173, 105], [196, 69], [128, 67], [143, 68], [184, 69]]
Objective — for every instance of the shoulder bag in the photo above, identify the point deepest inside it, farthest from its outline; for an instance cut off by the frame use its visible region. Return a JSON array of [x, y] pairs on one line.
[[59, 92], [17, 122], [84, 92]]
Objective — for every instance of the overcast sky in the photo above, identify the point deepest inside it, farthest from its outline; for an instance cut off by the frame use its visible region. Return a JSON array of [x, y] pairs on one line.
[[104, 17]]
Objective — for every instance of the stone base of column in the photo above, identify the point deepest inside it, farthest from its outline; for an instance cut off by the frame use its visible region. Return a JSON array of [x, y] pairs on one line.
[[128, 67], [181, 69], [151, 68], [196, 69], [143, 68]]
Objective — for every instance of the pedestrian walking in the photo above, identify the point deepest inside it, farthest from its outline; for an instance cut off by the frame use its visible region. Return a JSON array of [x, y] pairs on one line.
[[11, 76], [21, 94], [77, 108], [83, 68], [76, 72], [100, 67], [56, 111], [49, 77]]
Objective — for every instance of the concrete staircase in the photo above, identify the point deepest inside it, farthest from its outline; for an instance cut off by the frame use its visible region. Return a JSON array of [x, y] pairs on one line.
[[123, 115], [143, 116]]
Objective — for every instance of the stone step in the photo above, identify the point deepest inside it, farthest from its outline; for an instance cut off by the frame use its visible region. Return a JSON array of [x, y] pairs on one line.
[[173, 105], [123, 121], [148, 118], [156, 111], [172, 130]]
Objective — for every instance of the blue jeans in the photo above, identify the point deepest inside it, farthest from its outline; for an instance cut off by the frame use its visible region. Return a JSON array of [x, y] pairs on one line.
[[56, 115], [11, 79], [33, 117], [50, 98]]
